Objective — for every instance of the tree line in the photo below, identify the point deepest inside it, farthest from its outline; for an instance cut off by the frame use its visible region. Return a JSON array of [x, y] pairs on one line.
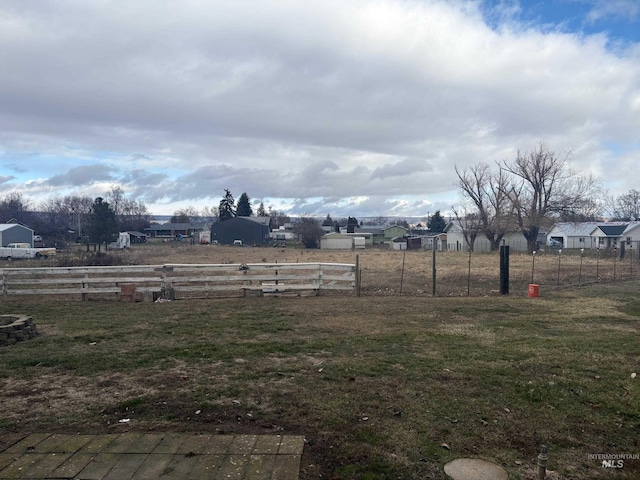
[[62, 217], [530, 193], [98, 220]]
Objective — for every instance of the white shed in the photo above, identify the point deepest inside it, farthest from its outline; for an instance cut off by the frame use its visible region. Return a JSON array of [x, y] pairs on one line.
[[399, 243], [336, 241]]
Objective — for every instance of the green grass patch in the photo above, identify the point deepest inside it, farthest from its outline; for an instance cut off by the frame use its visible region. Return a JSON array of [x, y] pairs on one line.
[[381, 387]]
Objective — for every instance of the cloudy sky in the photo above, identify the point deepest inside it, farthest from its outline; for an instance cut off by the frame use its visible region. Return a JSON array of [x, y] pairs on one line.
[[352, 107]]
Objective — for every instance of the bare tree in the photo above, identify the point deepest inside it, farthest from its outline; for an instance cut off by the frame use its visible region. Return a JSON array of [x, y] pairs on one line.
[[278, 218], [55, 219], [184, 215], [79, 209], [63, 216], [469, 222], [489, 192], [133, 215], [542, 187], [210, 214], [115, 197], [627, 206], [309, 231], [14, 207]]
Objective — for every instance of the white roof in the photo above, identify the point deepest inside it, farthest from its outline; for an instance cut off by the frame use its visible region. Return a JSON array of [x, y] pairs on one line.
[[585, 229], [7, 226], [576, 229]]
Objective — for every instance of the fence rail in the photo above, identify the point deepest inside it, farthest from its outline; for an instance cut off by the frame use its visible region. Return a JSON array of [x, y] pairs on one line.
[[180, 279]]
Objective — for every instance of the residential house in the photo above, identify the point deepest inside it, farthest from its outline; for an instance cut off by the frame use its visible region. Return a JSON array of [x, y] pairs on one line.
[[284, 232], [573, 234], [616, 234], [394, 231], [376, 233], [594, 235], [382, 234]]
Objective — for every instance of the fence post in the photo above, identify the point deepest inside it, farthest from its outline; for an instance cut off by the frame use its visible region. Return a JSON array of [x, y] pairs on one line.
[[357, 275], [504, 269], [533, 265], [469, 276], [433, 271], [580, 273], [402, 273], [84, 286]]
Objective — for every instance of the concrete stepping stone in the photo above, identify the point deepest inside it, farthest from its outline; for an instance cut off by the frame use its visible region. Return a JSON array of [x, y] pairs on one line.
[[474, 469]]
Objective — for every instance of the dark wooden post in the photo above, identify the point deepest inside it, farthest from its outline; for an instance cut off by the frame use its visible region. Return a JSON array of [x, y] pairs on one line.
[[357, 275], [504, 269]]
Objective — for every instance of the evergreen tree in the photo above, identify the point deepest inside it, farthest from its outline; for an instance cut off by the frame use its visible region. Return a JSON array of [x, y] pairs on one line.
[[227, 207], [352, 224], [437, 223], [244, 206], [103, 224], [261, 211], [328, 222]]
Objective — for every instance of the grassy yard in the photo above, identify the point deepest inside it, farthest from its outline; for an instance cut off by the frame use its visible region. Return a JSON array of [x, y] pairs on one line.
[[382, 387]]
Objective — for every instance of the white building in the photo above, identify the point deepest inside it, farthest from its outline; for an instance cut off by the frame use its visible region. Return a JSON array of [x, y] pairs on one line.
[[456, 241], [593, 235]]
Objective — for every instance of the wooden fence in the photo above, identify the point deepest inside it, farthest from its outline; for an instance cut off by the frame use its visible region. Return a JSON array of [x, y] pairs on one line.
[[180, 280]]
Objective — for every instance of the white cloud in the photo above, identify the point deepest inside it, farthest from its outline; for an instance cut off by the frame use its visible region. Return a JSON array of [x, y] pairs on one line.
[[311, 104], [613, 8]]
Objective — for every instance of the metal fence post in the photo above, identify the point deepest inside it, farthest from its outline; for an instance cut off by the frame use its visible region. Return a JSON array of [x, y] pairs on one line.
[[433, 271]]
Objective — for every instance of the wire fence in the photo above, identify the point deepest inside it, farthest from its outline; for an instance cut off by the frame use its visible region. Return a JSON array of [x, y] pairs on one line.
[[478, 274]]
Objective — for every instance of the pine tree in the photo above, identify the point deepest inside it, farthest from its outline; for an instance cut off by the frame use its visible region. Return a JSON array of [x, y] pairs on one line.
[[352, 224], [244, 206], [437, 223], [227, 207], [103, 225], [261, 211]]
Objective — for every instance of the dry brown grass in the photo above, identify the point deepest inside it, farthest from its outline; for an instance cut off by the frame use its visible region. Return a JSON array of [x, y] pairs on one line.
[[388, 272]]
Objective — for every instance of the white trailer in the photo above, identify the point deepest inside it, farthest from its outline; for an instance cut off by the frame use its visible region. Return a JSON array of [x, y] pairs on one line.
[[124, 241]]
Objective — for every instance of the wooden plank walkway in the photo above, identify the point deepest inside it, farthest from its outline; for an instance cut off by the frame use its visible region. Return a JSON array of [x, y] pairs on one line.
[[139, 456]]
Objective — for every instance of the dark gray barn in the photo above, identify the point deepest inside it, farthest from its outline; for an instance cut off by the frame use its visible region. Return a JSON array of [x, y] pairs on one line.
[[15, 233], [250, 230]]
